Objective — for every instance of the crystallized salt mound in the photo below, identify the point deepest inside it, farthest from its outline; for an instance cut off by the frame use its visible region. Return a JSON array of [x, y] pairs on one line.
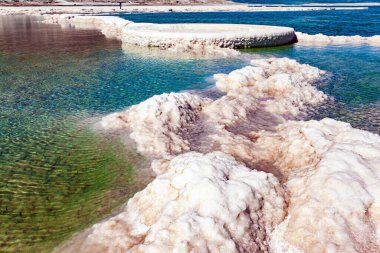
[[221, 35], [285, 83], [157, 123], [334, 193], [330, 201], [170, 124], [110, 26], [203, 203], [324, 39], [330, 173]]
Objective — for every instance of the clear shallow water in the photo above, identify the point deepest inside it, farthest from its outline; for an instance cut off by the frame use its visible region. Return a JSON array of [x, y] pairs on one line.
[[339, 22], [56, 176]]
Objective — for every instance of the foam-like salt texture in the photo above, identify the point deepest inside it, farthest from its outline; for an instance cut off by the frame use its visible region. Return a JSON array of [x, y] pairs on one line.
[[318, 39], [157, 123], [334, 197]]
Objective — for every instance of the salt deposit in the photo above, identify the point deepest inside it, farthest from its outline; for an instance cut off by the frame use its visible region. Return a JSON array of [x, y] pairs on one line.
[[305, 38], [169, 124], [221, 35], [203, 203], [334, 192], [157, 123], [200, 38]]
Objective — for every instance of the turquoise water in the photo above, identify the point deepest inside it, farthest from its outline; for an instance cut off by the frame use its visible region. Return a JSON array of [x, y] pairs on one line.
[[57, 176]]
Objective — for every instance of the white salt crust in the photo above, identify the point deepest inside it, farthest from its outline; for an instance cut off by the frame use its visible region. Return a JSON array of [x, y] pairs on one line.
[[221, 35], [202, 203], [321, 39]]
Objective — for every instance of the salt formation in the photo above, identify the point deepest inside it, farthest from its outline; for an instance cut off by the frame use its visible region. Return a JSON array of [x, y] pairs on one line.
[[334, 186], [170, 124], [234, 174], [324, 39], [285, 84], [200, 38], [157, 123], [220, 35], [203, 203]]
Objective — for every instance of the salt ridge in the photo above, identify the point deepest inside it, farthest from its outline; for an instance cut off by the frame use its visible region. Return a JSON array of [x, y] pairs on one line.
[[234, 174]]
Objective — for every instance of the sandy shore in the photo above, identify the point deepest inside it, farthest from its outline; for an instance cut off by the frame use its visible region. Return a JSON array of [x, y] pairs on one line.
[[11, 10]]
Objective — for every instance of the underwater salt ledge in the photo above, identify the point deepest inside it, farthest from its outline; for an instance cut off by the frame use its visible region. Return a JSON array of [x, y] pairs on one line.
[[238, 174]]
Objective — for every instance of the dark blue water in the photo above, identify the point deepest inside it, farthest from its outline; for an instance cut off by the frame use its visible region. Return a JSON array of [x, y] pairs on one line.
[[339, 22]]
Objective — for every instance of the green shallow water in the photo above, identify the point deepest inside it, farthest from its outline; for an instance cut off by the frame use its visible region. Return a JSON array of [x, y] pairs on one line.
[[56, 175]]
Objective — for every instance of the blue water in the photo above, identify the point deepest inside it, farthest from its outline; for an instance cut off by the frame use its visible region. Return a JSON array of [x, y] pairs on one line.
[[338, 22]]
